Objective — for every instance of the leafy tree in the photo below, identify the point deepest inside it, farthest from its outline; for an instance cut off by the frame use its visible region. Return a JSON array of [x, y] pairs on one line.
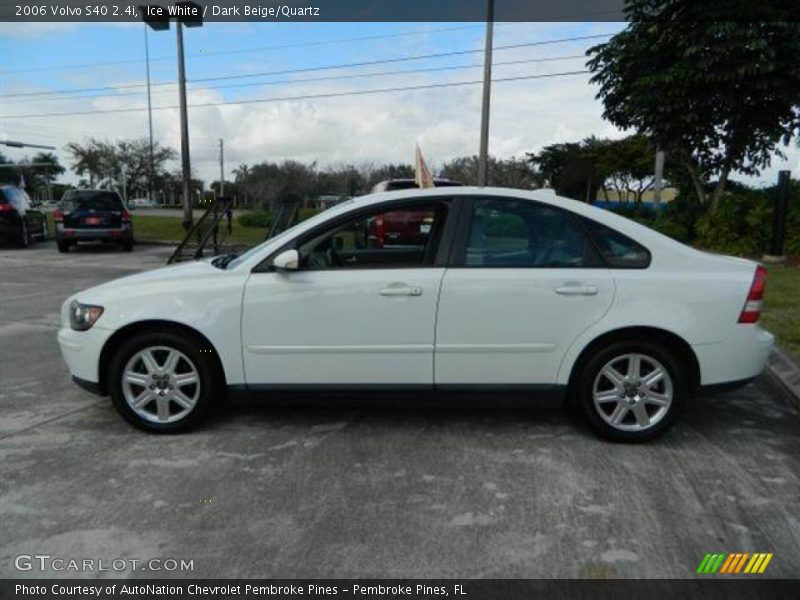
[[345, 180], [127, 161], [512, 173], [717, 95], [573, 169], [372, 175], [40, 172], [628, 164]]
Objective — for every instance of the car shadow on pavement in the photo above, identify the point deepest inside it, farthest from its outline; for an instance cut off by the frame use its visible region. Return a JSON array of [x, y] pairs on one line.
[[388, 409]]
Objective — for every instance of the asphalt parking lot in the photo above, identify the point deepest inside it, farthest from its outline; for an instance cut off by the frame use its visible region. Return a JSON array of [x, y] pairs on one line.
[[271, 491]]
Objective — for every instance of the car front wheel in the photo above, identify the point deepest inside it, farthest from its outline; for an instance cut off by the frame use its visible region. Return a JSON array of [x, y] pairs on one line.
[[632, 391], [161, 382]]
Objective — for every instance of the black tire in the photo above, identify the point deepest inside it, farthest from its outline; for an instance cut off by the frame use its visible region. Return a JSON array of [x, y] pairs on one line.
[[207, 369], [24, 239], [590, 372], [127, 246], [63, 246]]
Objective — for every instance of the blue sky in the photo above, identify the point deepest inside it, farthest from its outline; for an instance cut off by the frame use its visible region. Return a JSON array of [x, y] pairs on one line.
[[356, 129]]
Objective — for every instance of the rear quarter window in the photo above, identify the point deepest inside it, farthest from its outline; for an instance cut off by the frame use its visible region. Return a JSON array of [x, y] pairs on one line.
[[617, 250]]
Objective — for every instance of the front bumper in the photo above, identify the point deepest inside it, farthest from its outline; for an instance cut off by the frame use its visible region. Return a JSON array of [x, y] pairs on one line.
[[739, 358], [81, 351]]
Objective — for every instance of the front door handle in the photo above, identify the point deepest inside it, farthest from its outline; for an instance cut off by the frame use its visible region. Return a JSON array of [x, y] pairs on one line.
[[401, 289], [576, 289]]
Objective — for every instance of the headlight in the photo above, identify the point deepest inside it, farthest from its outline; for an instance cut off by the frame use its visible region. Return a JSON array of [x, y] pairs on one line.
[[83, 316]]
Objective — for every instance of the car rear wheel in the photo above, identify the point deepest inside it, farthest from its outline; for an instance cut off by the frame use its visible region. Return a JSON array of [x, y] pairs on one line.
[[632, 391], [160, 382], [63, 246], [127, 246]]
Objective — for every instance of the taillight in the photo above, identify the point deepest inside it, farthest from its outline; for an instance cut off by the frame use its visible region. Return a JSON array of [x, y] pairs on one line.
[[125, 216], [58, 216], [752, 306], [6, 207]]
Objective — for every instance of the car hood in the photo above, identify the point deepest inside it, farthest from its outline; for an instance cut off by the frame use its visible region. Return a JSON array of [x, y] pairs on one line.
[[172, 274]]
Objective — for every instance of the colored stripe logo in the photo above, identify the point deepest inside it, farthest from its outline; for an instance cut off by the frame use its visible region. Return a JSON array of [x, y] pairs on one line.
[[735, 563]]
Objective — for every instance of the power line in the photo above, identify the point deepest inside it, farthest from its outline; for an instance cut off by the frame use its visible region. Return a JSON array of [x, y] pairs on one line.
[[242, 50], [301, 97], [314, 79], [317, 68]]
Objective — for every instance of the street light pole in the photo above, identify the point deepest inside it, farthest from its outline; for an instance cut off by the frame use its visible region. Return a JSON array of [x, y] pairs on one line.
[[185, 162], [149, 116], [487, 94]]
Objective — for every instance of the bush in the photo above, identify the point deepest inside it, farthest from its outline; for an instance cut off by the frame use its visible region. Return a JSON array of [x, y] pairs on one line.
[[742, 224], [662, 221], [257, 218], [671, 228]]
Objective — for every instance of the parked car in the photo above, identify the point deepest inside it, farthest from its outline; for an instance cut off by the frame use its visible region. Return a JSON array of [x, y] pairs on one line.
[[508, 291], [21, 221], [92, 215], [391, 185]]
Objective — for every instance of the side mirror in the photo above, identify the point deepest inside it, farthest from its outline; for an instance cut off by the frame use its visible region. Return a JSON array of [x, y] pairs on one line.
[[288, 260]]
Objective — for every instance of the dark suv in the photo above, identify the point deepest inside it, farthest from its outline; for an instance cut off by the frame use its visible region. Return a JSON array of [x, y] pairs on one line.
[[20, 222], [92, 215]]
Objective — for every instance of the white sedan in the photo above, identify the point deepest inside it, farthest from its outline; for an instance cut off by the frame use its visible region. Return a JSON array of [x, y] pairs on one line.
[[458, 289]]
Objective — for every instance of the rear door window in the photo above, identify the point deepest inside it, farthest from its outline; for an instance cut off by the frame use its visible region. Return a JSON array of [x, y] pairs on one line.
[[510, 233]]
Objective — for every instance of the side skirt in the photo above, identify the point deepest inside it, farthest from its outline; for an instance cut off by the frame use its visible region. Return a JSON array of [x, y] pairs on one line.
[[449, 394]]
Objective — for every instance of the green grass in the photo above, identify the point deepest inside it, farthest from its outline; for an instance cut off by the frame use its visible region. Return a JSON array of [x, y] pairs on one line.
[[150, 228], [781, 313]]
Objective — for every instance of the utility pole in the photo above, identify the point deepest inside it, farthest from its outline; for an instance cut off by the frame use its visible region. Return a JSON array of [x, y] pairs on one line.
[[658, 180], [124, 186], [149, 116], [779, 212], [221, 169], [185, 162], [483, 157]]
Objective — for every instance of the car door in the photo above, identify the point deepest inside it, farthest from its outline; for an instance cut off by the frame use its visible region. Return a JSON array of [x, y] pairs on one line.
[[361, 308], [525, 281]]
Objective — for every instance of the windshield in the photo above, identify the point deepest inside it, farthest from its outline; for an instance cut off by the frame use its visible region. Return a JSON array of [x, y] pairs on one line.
[[92, 200]]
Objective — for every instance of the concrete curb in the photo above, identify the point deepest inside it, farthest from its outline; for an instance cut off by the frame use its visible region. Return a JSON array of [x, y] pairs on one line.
[[784, 368]]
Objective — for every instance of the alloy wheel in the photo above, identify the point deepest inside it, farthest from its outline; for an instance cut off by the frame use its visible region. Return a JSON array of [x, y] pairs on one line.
[[161, 384], [633, 392]]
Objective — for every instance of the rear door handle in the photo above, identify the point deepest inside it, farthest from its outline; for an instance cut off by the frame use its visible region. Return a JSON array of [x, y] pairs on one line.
[[576, 290], [401, 289]]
